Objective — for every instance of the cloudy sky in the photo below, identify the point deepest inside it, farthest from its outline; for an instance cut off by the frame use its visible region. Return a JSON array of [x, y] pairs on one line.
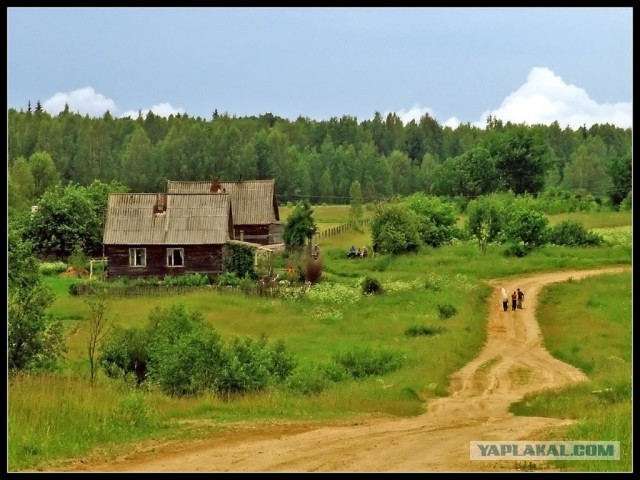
[[525, 65]]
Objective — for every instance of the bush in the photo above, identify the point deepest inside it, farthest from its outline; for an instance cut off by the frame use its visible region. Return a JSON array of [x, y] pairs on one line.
[[528, 227], [184, 355], [366, 361], [515, 250], [133, 411], [125, 352], [313, 269], [371, 286], [247, 284], [282, 361], [446, 310], [395, 230], [309, 380], [78, 259], [422, 330], [228, 279], [239, 259], [436, 218], [573, 234], [187, 280], [52, 268]]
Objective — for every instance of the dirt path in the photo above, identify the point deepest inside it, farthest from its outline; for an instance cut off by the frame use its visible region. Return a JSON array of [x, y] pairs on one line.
[[512, 364]]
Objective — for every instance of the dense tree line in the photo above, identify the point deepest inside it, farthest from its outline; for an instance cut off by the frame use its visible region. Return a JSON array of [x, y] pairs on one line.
[[318, 161]]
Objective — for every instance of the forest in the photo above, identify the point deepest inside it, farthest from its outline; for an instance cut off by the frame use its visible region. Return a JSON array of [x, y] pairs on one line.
[[314, 160]]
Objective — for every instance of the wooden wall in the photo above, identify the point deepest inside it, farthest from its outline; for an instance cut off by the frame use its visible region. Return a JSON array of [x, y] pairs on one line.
[[197, 259]]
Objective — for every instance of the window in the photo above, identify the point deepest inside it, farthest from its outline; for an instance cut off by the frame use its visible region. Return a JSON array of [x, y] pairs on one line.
[[175, 257], [137, 257]]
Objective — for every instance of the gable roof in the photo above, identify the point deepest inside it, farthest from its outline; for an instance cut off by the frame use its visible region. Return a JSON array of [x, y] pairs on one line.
[[253, 202], [140, 219]]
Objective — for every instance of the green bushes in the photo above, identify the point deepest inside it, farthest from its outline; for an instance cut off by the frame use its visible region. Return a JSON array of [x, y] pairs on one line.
[[395, 230], [189, 280], [52, 268], [183, 355], [238, 259], [356, 363], [366, 361], [573, 234], [446, 310], [422, 330], [371, 286]]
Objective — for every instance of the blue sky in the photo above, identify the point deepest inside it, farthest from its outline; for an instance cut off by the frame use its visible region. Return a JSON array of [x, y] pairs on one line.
[[522, 64]]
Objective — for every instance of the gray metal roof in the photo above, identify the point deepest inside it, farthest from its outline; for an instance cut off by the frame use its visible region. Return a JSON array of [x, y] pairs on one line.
[[187, 219], [253, 202]]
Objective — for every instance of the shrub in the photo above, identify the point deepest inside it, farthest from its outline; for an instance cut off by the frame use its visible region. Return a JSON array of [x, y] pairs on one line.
[[184, 355], [573, 234], [313, 269], [282, 361], [436, 218], [395, 230], [125, 352], [228, 279], [446, 310], [528, 227], [248, 366], [133, 411], [422, 330], [366, 361], [309, 380], [188, 280], [78, 259], [371, 286], [515, 250], [52, 268], [239, 259], [247, 284]]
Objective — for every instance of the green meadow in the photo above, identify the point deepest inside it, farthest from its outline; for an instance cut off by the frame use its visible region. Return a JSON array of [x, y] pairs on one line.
[[52, 418]]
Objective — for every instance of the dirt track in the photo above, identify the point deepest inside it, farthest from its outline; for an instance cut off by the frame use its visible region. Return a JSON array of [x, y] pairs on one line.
[[511, 364]]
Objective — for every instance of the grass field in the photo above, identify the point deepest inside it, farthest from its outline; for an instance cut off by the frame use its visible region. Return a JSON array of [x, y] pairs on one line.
[[61, 416]]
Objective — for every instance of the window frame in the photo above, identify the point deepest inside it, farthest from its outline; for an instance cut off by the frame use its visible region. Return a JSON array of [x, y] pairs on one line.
[[170, 256], [133, 257]]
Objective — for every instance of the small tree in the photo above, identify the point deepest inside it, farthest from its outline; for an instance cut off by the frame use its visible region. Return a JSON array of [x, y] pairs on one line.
[[483, 221], [394, 230], [528, 227], [98, 327], [300, 226], [34, 340]]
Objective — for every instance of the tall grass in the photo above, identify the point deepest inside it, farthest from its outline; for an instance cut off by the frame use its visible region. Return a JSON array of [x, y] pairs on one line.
[[588, 324]]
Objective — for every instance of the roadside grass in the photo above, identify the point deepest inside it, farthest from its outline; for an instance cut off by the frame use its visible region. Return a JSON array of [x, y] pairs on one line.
[[588, 324], [60, 416]]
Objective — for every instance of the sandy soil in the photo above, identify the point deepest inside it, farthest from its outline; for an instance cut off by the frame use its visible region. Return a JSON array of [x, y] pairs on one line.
[[512, 364]]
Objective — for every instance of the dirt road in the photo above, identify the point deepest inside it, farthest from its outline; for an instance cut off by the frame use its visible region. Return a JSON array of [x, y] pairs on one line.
[[512, 364]]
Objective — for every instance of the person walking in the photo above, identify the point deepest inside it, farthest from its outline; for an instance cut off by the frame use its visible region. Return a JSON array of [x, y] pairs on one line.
[[514, 301], [520, 298], [505, 300]]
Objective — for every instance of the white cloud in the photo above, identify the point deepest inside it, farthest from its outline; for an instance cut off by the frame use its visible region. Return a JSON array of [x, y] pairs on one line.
[[162, 110], [414, 113], [453, 123], [84, 101], [87, 101], [546, 98]]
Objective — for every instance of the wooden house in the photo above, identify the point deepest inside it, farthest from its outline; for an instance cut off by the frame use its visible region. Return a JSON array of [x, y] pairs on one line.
[[254, 206], [155, 235]]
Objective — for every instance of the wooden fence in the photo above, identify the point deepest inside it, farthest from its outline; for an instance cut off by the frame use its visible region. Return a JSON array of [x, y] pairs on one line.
[[333, 231]]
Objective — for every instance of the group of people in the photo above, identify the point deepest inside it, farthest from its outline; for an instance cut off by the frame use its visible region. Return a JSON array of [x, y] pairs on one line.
[[359, 253], [517, 297]]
